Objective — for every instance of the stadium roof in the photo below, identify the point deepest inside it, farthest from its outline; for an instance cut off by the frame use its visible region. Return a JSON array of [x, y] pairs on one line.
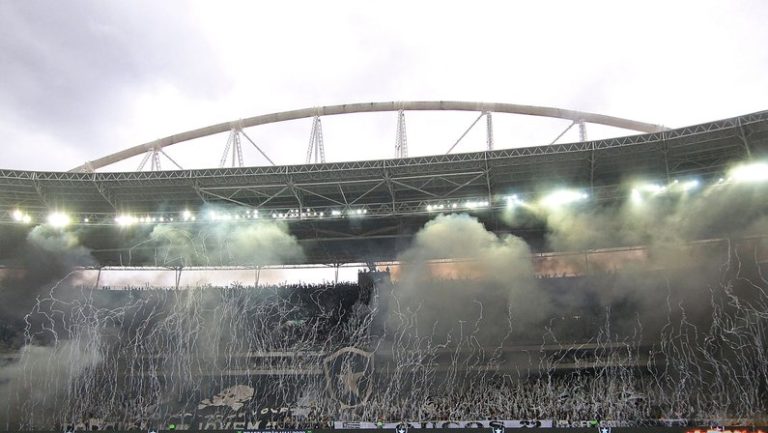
[[391, 191]]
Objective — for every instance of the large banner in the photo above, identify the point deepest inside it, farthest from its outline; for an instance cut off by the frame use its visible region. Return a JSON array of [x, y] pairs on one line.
[[661, 422], [347, 425]]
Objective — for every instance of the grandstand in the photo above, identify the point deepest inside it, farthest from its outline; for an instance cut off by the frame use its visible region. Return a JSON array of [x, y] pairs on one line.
[[616, 280]]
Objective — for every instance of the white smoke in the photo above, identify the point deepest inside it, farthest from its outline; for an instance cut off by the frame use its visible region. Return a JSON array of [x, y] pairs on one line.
[[495, 280]]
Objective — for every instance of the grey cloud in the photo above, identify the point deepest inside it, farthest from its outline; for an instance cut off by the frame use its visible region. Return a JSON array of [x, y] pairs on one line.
[[71, 69]]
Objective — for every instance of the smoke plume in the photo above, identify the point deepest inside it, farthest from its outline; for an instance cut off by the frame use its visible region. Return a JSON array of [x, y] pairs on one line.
[[494, 281]]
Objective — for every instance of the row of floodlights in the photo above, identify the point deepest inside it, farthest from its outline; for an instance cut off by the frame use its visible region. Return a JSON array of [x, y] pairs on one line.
[[479, 204], [61, 219], [215, 215], [554, 199], [747, 173]]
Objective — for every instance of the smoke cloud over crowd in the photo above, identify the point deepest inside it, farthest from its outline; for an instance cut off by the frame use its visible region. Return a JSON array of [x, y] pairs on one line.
[[464, 298], [494, 280]]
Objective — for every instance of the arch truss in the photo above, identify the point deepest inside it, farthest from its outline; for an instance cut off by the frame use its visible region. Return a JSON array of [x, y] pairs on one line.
[[316, 151]]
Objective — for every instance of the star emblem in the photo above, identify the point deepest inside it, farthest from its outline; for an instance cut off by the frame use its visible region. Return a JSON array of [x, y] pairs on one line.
[[348, 376]]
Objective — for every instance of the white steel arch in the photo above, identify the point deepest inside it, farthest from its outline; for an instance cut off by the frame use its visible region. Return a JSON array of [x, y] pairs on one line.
[[368, 107]]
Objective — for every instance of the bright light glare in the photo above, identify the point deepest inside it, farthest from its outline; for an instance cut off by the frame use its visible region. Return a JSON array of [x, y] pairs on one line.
[[652, 188], [755, 172], [125, 220], [186, 215], [59, 219], [689, 185], [636, 196], [21, 217], [513, 201], [476, 204], [563, 197]]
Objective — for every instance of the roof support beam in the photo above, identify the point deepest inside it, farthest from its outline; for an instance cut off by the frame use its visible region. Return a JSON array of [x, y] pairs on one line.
[[743, 138], [465, 133]]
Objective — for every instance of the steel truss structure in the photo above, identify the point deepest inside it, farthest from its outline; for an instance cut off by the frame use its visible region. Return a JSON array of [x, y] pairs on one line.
[[154, 148], [328, 204]]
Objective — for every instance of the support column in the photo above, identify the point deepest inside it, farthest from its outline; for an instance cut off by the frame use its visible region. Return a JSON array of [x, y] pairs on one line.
[[582, 131], [489, 129], [401, 139], [316, 143]]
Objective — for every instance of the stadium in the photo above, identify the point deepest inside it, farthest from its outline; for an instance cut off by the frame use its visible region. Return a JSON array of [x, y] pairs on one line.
[[615, 282]]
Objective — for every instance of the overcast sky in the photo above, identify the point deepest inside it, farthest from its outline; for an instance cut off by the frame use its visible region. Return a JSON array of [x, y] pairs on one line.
[[81, 79]]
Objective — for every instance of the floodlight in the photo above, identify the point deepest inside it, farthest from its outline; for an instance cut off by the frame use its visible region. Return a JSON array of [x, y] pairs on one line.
[[689, 185], [476, 204], [18, 215], [59, 219], [754, 172], [563, 197], [513, 200], [186, 215], [125, 220], [652, 188]]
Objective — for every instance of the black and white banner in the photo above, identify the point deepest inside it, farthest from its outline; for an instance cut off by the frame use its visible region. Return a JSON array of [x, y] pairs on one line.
[[445, 424]]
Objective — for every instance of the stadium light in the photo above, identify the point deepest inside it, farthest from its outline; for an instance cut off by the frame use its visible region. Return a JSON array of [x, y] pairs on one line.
[[636, 196], [476, 204], [21, 217], [754, 172], [562, 197], [125, 220], [653, 188], [59, 219], [514, 201], [689, 185], [186, 215]]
